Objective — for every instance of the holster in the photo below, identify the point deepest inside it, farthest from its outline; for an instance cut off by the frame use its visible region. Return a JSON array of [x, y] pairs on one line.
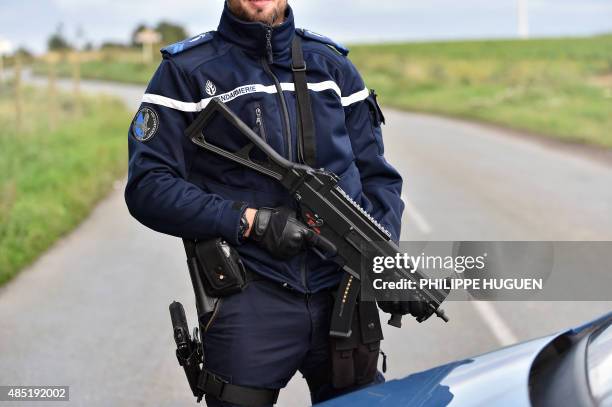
[[355, 359], [222, 270], [216, 271]]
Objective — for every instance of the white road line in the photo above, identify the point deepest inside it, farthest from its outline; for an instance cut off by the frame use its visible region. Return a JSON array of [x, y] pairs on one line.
[[495, 322], [414, 214], [487, 312]]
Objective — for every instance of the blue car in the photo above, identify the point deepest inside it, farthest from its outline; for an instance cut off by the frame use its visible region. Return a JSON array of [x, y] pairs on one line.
[[571, 368]]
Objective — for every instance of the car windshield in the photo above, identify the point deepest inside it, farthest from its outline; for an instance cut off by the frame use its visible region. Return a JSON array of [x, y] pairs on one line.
[[599, 366]]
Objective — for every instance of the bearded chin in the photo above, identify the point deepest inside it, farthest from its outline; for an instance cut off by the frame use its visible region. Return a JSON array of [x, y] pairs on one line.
[[274, 17], [271, 19]]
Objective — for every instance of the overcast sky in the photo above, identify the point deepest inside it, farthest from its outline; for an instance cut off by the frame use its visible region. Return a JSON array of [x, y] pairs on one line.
[[29, 22]]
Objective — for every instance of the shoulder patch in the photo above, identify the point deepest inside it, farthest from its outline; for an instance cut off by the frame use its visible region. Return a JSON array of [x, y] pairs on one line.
[[145, 124], [311, 35], [188, 43]]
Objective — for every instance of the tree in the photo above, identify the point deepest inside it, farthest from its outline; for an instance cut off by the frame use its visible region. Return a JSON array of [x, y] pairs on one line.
[[24, 53], [113, 45], [171, 32], [57, 41]]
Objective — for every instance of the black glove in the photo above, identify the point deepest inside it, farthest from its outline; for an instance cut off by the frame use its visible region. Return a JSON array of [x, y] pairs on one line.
[[415, 308], [281, 234]]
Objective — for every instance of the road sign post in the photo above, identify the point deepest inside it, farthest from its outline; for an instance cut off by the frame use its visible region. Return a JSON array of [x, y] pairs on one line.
[[147, 38]]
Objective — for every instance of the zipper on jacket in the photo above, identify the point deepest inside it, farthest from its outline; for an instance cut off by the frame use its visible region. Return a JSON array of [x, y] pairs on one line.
[[269, 49], [286, 122], [281, 97], [260, 123]]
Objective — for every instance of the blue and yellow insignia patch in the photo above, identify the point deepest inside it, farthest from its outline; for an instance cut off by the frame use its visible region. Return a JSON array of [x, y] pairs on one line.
[[184, 45], [340, 49], [145, 124]]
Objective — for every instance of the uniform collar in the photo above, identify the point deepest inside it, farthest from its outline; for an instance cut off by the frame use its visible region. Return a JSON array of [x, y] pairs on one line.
[[254, 36]]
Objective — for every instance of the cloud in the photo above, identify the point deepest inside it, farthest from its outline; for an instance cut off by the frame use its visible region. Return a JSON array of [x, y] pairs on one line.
[[368, 7], [142, 10], [30, 22], [583, 5]]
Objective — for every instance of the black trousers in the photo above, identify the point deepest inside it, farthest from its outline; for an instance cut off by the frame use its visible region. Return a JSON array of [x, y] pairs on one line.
[[264, 335]]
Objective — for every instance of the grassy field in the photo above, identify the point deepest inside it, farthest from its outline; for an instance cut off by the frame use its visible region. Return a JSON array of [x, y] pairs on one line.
[[117, 71], [117, 65], [51, 178], [556, 87]]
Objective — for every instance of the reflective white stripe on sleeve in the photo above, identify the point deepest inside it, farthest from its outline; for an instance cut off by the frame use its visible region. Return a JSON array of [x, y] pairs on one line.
[[356, 97], [248, 89], [171, 103]]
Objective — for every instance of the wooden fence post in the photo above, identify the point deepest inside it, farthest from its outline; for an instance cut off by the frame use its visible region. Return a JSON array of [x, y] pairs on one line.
[[18, 94], [76, 78], [1, 69], [52, 90]]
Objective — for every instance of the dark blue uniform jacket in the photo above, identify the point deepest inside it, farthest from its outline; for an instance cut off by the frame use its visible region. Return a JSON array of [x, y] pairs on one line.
[[177, 188]]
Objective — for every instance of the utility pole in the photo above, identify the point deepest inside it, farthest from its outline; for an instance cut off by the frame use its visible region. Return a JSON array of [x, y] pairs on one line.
[[523, 19]]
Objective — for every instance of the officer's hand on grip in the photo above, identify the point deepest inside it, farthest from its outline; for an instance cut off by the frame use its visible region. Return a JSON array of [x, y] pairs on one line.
[[281, 234]]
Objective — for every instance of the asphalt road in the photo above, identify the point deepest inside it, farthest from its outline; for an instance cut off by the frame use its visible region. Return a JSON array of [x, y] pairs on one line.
[[92, 312]]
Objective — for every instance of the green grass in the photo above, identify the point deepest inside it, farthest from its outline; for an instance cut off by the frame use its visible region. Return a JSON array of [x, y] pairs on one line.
[[556, 87], [117, 71], [51, 179]]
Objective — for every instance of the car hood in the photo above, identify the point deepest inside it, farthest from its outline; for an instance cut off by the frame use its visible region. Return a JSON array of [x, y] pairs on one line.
[[497, 378]]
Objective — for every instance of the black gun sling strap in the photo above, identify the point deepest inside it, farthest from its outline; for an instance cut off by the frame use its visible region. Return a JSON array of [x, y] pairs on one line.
[[347, 296], [307, 148]]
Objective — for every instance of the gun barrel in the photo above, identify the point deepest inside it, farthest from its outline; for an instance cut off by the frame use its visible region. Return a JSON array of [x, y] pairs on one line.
[[441, 314]]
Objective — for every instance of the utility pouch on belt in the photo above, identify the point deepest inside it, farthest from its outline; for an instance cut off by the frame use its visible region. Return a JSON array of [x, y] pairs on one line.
[[355, 359], [223, 271]]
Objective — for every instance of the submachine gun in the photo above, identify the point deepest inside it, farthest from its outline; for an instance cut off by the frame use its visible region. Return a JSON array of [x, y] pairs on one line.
[[351, 233]]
